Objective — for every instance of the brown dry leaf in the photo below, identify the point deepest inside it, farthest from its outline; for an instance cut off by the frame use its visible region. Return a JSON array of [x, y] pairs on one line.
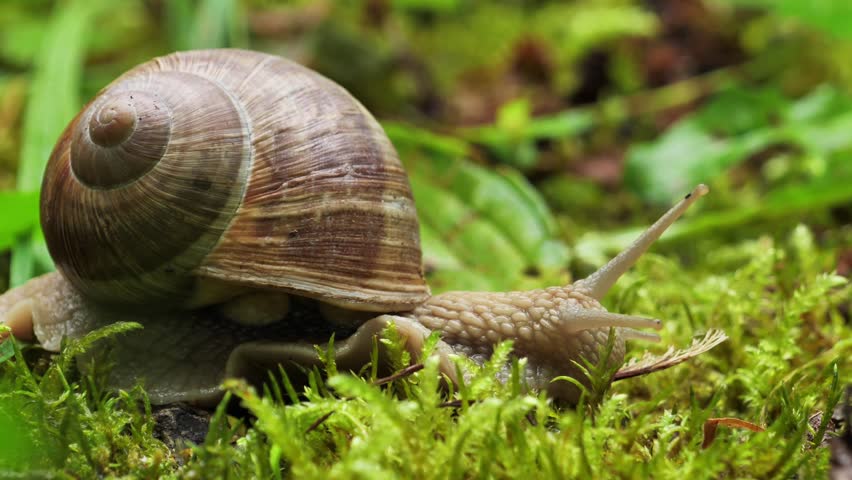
[[653, 363], [711, 424]]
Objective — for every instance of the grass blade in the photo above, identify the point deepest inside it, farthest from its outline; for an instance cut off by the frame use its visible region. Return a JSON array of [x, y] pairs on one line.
[[53, 101], [218, 23]]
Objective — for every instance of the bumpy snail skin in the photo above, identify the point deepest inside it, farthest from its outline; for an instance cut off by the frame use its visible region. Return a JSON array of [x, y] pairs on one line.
[[184, 355], [552, 327]]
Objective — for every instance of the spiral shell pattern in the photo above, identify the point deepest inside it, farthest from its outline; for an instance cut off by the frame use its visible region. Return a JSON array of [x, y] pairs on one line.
[[235, 166]]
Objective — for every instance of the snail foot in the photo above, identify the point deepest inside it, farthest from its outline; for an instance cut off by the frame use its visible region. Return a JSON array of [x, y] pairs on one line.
[[253, 360]]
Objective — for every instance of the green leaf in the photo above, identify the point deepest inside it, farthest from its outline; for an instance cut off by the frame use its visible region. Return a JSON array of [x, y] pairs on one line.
[[512, 138], [205, 24], [688, 153], [561, 125], [54, 99], [436, 254], [829, 16], [54, 94], [826, 137], [739, 109], [475, 221], [462, 279], [821, 103], [217, 24], [473, 240], [514, 117], [684, 156], [792, 201], [436, 6], [7, 348], [407, 138], [179, 20], [548, 252], [505, 198], [21, 33], [20, 215]]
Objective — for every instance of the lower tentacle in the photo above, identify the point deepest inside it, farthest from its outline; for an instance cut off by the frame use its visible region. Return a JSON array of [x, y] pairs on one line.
[[575, 319]]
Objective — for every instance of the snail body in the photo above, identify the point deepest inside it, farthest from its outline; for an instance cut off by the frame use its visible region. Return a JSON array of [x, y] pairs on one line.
[[242, 208]]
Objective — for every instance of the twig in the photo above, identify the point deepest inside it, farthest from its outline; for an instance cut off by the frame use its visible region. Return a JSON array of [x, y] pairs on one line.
[[405, 372], [318, 422], [451, 404]]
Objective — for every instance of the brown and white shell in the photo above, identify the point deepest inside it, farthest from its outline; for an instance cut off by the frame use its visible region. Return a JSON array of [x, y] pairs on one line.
[[231, 168]]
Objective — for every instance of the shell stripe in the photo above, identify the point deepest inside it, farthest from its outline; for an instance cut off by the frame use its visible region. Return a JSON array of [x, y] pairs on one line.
[[321, 217], [274, 177], [140, 241]]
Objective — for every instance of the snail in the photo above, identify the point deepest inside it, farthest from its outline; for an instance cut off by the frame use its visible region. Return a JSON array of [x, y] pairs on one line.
[[243, 208]]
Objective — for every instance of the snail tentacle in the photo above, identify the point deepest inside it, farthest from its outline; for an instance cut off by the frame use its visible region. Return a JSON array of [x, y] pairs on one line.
[[633, 334], [19, 319], [578, 319], [599, 283]]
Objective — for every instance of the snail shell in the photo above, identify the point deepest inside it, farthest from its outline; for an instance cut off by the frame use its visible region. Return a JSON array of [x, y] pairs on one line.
[[235, 167]]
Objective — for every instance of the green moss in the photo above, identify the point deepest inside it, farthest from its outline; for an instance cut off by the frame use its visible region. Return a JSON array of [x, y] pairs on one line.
[[788, 356]]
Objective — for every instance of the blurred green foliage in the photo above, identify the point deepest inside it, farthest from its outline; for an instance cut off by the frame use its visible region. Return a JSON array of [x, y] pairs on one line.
[[828, 16], [523, 77]]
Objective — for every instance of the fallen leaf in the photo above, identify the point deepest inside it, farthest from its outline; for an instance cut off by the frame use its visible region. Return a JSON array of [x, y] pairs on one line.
[[653, 363], [711, 424]]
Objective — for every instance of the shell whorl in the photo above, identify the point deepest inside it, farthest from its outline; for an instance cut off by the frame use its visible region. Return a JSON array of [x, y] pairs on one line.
[[235, 166], [143, 184], [120, 138]]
